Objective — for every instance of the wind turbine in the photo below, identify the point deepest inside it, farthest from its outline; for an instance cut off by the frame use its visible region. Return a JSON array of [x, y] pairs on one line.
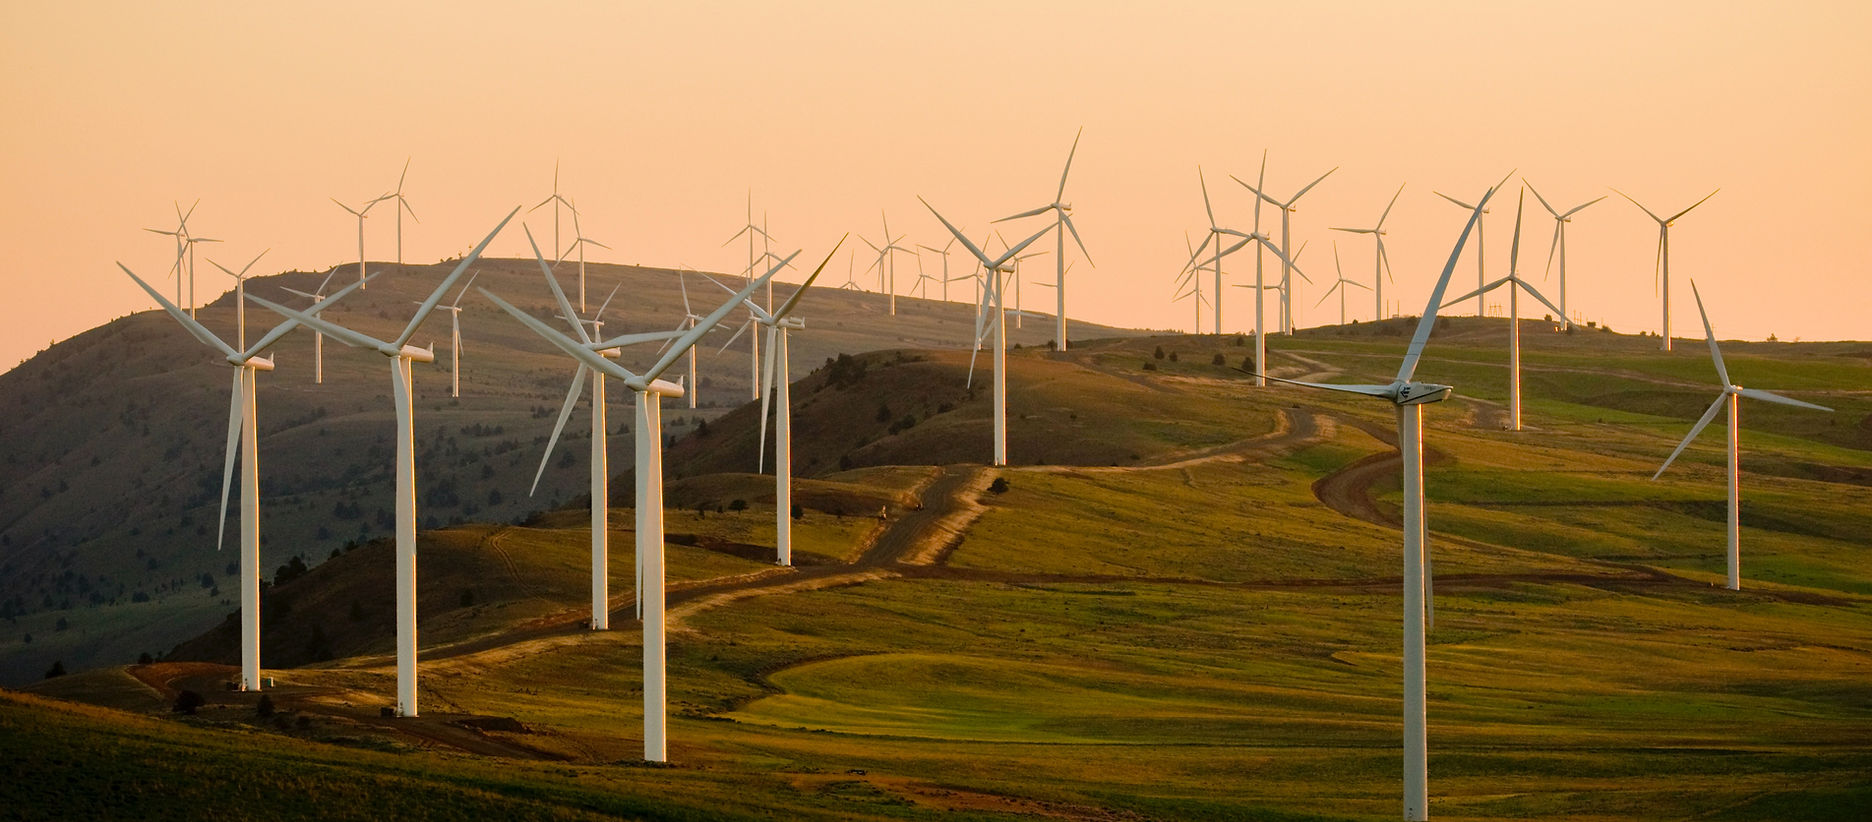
[[649, 392], [401, 354], [886, 264], [579, 242], [454, 310], [402, 206], [1062, 218], [240, 293], [1214, 236], [1731, 395], [944, 252], [1287, 262], [1481, 256], [1561, 219], [1020, 313], [600, 470], [359, 214], [556, 200], [1381, 264], [1339, 285], [1287, 209], [1189, 276], [318, 340], [1409, 397], [1515, 284], [1662, 279], [185, 248], [243, 432], [778, 386], [993, 291], [691, 318]]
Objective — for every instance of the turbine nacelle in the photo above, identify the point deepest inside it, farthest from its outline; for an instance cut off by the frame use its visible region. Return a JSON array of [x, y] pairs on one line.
[[1419, 393], [409, 352], [255, 363], [659, 387]]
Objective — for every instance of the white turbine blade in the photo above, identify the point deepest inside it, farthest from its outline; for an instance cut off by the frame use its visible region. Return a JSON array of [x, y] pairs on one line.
[[449, 281], [1068, 170], [1454, 200], [327, 281], [1384, 258], [737, 235], [298, 292], [1014, 252], [787, 307], [707, 323], [1257, 192], [1309, 187], [337, 332], [682, 280], [552, 283], [591, 359], [1067, 219], [195, 329], [766, 394], [1710, 334], [274, 334], [1207, 208], [1204, 246], [347, 208], [1544, 301], [956, 232], [1041, 210], [1427, 323], [1543, 200], [1368, 390], [235, 401], [1582, 206], [464, 292], [737, 335], [1328, 295], [1673, 217], [1552, 246], [1387, 208], [565, 412], [1694, 431], [1660, 220], [626, 340], [1770, 396], [1353, 283], [1514, 247], [1476, 293]]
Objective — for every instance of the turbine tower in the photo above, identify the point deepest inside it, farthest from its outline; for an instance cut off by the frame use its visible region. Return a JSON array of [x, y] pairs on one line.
[[992, 312], [401, 355], [1561, 219], [1730, 396], [1381, 264], [1287, 210], [243, 433], [944, 252], [455, 346], [1481, 257], [1514, 283], [885, 263], [750, 229], [556, 200], [185, 249], [579, 242], [318, 340], [649, 392], [359, 213], [1661, 280], [1062, 218], [778, 386], [1409, 397], [402, 206]]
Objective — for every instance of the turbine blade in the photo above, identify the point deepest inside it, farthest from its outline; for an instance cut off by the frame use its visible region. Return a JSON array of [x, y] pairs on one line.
[[1476, 293], [329, 329], [1075, 235], [1514, 248], [1367, 390], [1770, 396], [591, 359], [1694, 431], [1068, 170], [195, 329], [1709, 333], [235, 402], [735, 336], [1309, 187], [1031, 213], [786, 308], [707, 323], [956, 232], [1673, 217], [272, 336], [1258, 192], [1582, 206], [1542, 297], [449, 281], [565, 412], [1660, 220], [1427, 323], [1543, 200], [766, 394], [552, 284], [1387, 208]]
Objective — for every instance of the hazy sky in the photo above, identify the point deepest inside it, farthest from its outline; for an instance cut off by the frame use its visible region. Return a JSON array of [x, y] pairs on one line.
[[664, 115]]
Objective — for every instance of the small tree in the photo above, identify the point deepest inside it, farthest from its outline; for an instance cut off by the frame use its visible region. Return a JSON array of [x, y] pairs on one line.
[[1248, 364], [145, 658], [737, 505], [57, 670], [1158, 354], [264, 708], [798, 512], [1173, 356], [999, 486], [187, 701], [1219, 359]]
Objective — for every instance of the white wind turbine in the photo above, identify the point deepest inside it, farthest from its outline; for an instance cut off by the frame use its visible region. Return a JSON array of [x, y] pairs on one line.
[[1287, 210], [992, 313], [1020, 313], [579, 242], [556, 200], [455, 346], [402, 205], [1481, 257], [1214, 236], [691, 318], [1381, 264], [887, 264], [1288, 263], [1409, 397], [359, 213], [778, 386], [1731, 395], [600, 460], [243, 433], [401, 354], [1192, 278], [1338, 285], [318, 340], [944, 253], [1561, 219], [1514, 283], [185, 250], [1062, 217], [750, 229], [1661, 280], [240, 294], [649, 392]]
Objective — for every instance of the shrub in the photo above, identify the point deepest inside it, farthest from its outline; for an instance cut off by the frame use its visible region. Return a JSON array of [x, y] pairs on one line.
[[737, 505], [999, 486], [57, 670], [187, 701], [264, 708], [1219, 360], [1150, 366], [145, 658], [798, 512], [1158, 354]]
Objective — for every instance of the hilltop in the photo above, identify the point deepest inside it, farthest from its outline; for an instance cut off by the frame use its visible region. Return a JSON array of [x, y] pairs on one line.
[[114, 439]]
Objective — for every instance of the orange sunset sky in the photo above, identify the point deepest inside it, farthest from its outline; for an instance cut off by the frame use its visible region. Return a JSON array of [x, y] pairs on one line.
[[664, 115]]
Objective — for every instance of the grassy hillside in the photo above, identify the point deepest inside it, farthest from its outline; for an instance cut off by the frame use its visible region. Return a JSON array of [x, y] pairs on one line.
[[113, 441]]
